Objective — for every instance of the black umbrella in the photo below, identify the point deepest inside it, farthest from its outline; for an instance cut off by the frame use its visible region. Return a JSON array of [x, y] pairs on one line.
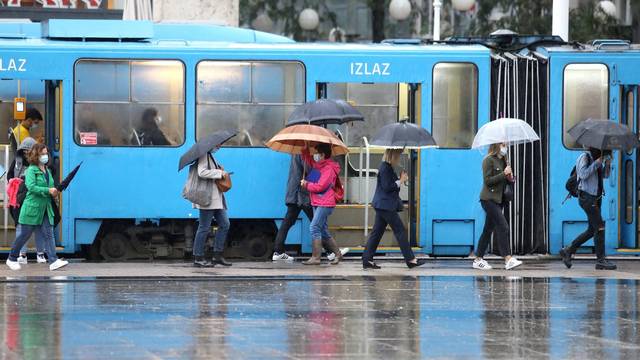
[[604, 135], [205, 145], [324, 111], [67, 180], [403, 135]]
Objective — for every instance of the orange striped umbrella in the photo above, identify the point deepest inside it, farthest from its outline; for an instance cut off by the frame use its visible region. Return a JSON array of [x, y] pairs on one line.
[[294, 138]]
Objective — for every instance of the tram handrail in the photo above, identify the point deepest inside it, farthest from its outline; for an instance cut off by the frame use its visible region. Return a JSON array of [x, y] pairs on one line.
[[366, 186]]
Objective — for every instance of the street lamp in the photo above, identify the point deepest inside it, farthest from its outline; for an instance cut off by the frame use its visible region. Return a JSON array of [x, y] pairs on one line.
[[463, 5], [308, 19], [400, 9]]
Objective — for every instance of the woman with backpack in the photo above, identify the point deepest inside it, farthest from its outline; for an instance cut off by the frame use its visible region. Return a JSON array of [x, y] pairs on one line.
[[387, 204], [37, 213], [323, 200], [496, 174]]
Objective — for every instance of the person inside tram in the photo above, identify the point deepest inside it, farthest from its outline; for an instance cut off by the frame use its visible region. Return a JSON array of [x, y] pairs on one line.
[[149, 133], [32, 120], [592, 167], [387, 204], [496, 173], [323, 200]]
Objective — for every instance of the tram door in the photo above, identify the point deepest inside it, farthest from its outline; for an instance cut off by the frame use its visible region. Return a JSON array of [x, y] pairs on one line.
[[381, 104], [51, 134], [629, 189]]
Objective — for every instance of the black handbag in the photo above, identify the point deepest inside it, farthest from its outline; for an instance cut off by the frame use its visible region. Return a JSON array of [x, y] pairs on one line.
[[507, 194]]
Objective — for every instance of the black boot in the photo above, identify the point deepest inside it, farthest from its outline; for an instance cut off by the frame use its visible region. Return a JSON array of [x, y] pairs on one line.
[[218, 259], [604, 264], [565, 253], [199, 261], [420, 262]]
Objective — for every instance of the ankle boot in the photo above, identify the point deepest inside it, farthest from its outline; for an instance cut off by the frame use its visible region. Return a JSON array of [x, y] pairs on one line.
[[220, 260], [316, 253], [333, 247]]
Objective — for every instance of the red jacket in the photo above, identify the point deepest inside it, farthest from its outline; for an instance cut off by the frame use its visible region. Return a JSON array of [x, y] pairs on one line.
[[321, 192]]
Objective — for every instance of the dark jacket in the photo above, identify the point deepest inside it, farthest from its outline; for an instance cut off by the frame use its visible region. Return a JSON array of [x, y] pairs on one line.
[[295, 194], [387, 196], [152, 136], [494, 178]]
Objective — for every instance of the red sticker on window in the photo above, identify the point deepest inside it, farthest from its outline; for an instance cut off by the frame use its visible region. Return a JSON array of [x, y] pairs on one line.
[[88, 138]]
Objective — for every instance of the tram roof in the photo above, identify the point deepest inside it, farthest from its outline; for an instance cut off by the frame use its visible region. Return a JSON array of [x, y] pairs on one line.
[[98, 34]]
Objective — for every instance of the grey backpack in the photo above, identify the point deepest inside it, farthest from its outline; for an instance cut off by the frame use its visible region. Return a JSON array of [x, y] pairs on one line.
[[198, 190]]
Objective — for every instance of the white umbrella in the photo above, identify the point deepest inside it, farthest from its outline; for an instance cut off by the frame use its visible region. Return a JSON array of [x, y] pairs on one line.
[[504, 130], [137, 10]]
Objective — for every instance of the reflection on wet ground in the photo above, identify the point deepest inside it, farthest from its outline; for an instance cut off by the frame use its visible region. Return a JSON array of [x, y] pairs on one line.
[[355, 317]]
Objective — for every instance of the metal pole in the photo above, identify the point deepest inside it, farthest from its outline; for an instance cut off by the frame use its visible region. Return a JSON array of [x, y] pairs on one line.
[[437, 5], [366, 189], [560, 19]]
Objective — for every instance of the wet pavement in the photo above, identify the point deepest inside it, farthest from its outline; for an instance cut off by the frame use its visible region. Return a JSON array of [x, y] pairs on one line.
[[320, 313]]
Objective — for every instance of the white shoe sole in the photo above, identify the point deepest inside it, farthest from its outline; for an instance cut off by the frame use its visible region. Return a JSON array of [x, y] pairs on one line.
[[13, 265], [512, 267], [481, 267], [53, 267]]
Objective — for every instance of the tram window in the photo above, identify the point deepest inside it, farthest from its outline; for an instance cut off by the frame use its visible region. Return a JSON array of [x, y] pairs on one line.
[[377, 102], [129, 103], [455, 104], [33, 91], [255, 98], [586, 95]]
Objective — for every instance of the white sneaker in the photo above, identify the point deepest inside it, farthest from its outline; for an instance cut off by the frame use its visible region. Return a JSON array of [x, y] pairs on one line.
[[282, 257], [481, 264], [13, 265], [343, 251], [58, 264], [512, 263], [41, 259], [22, 259]]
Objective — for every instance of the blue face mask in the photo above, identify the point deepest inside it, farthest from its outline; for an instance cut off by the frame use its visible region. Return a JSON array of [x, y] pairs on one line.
[[44, 159]]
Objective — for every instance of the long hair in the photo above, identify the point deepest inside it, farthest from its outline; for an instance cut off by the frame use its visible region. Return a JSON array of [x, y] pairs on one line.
[[148, 121], [391, 155], [324, 149], [34, 153], [494, 149]]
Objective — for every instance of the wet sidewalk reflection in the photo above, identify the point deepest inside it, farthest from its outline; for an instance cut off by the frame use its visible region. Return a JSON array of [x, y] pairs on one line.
[[443, 317]]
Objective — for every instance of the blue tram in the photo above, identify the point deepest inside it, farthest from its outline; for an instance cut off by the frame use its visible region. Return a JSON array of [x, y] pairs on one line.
[[97, 82]]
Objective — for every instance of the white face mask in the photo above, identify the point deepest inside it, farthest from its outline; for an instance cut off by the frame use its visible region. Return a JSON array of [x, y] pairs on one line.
[[504, 150], [44, 159], [318, 157], [158, 120]]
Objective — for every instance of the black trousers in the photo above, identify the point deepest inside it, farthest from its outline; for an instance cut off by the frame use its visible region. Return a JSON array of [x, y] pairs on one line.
[[384, 217], [289, 219], [495, 223], [592, 207]]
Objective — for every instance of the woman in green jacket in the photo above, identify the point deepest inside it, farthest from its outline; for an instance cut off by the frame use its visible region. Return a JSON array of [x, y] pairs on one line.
[[496, 173], [36, 212]]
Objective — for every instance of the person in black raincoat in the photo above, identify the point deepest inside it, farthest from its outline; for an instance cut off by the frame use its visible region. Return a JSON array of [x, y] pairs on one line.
[[148, 132]]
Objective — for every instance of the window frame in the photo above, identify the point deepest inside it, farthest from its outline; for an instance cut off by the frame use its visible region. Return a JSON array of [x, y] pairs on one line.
[[477, 109], [184, 101], [250, 61], [564, 70]]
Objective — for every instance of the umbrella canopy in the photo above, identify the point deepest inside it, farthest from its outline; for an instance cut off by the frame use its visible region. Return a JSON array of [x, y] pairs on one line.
[[294, 138], [324, 111], [64, 184], [403, 135], [504, 130], [604, 135], [205, 145]]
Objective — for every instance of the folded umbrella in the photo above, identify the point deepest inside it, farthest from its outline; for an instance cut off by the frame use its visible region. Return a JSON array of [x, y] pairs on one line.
[[64, 184], [323, 112], [403, 135], [205, 145], [604, 135], [504, 130], [294, 138]]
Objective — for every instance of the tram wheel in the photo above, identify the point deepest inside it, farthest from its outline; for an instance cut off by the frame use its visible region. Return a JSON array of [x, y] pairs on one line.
[[115, 247]]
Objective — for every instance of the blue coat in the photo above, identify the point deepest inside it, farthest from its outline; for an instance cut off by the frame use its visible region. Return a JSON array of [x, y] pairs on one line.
[[387, 196]]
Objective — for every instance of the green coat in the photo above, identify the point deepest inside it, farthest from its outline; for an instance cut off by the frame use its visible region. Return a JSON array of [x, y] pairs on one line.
[[38, 199], [494, 179]]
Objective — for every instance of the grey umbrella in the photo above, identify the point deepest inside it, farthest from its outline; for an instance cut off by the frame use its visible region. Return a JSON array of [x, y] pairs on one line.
[[604, 135], [403, 135], [205, 145], [324, 111]]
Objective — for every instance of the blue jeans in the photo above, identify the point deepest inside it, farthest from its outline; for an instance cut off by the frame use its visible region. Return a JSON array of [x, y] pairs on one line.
[[44, 232], [39, 245], [319, 226], [204, 227]]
